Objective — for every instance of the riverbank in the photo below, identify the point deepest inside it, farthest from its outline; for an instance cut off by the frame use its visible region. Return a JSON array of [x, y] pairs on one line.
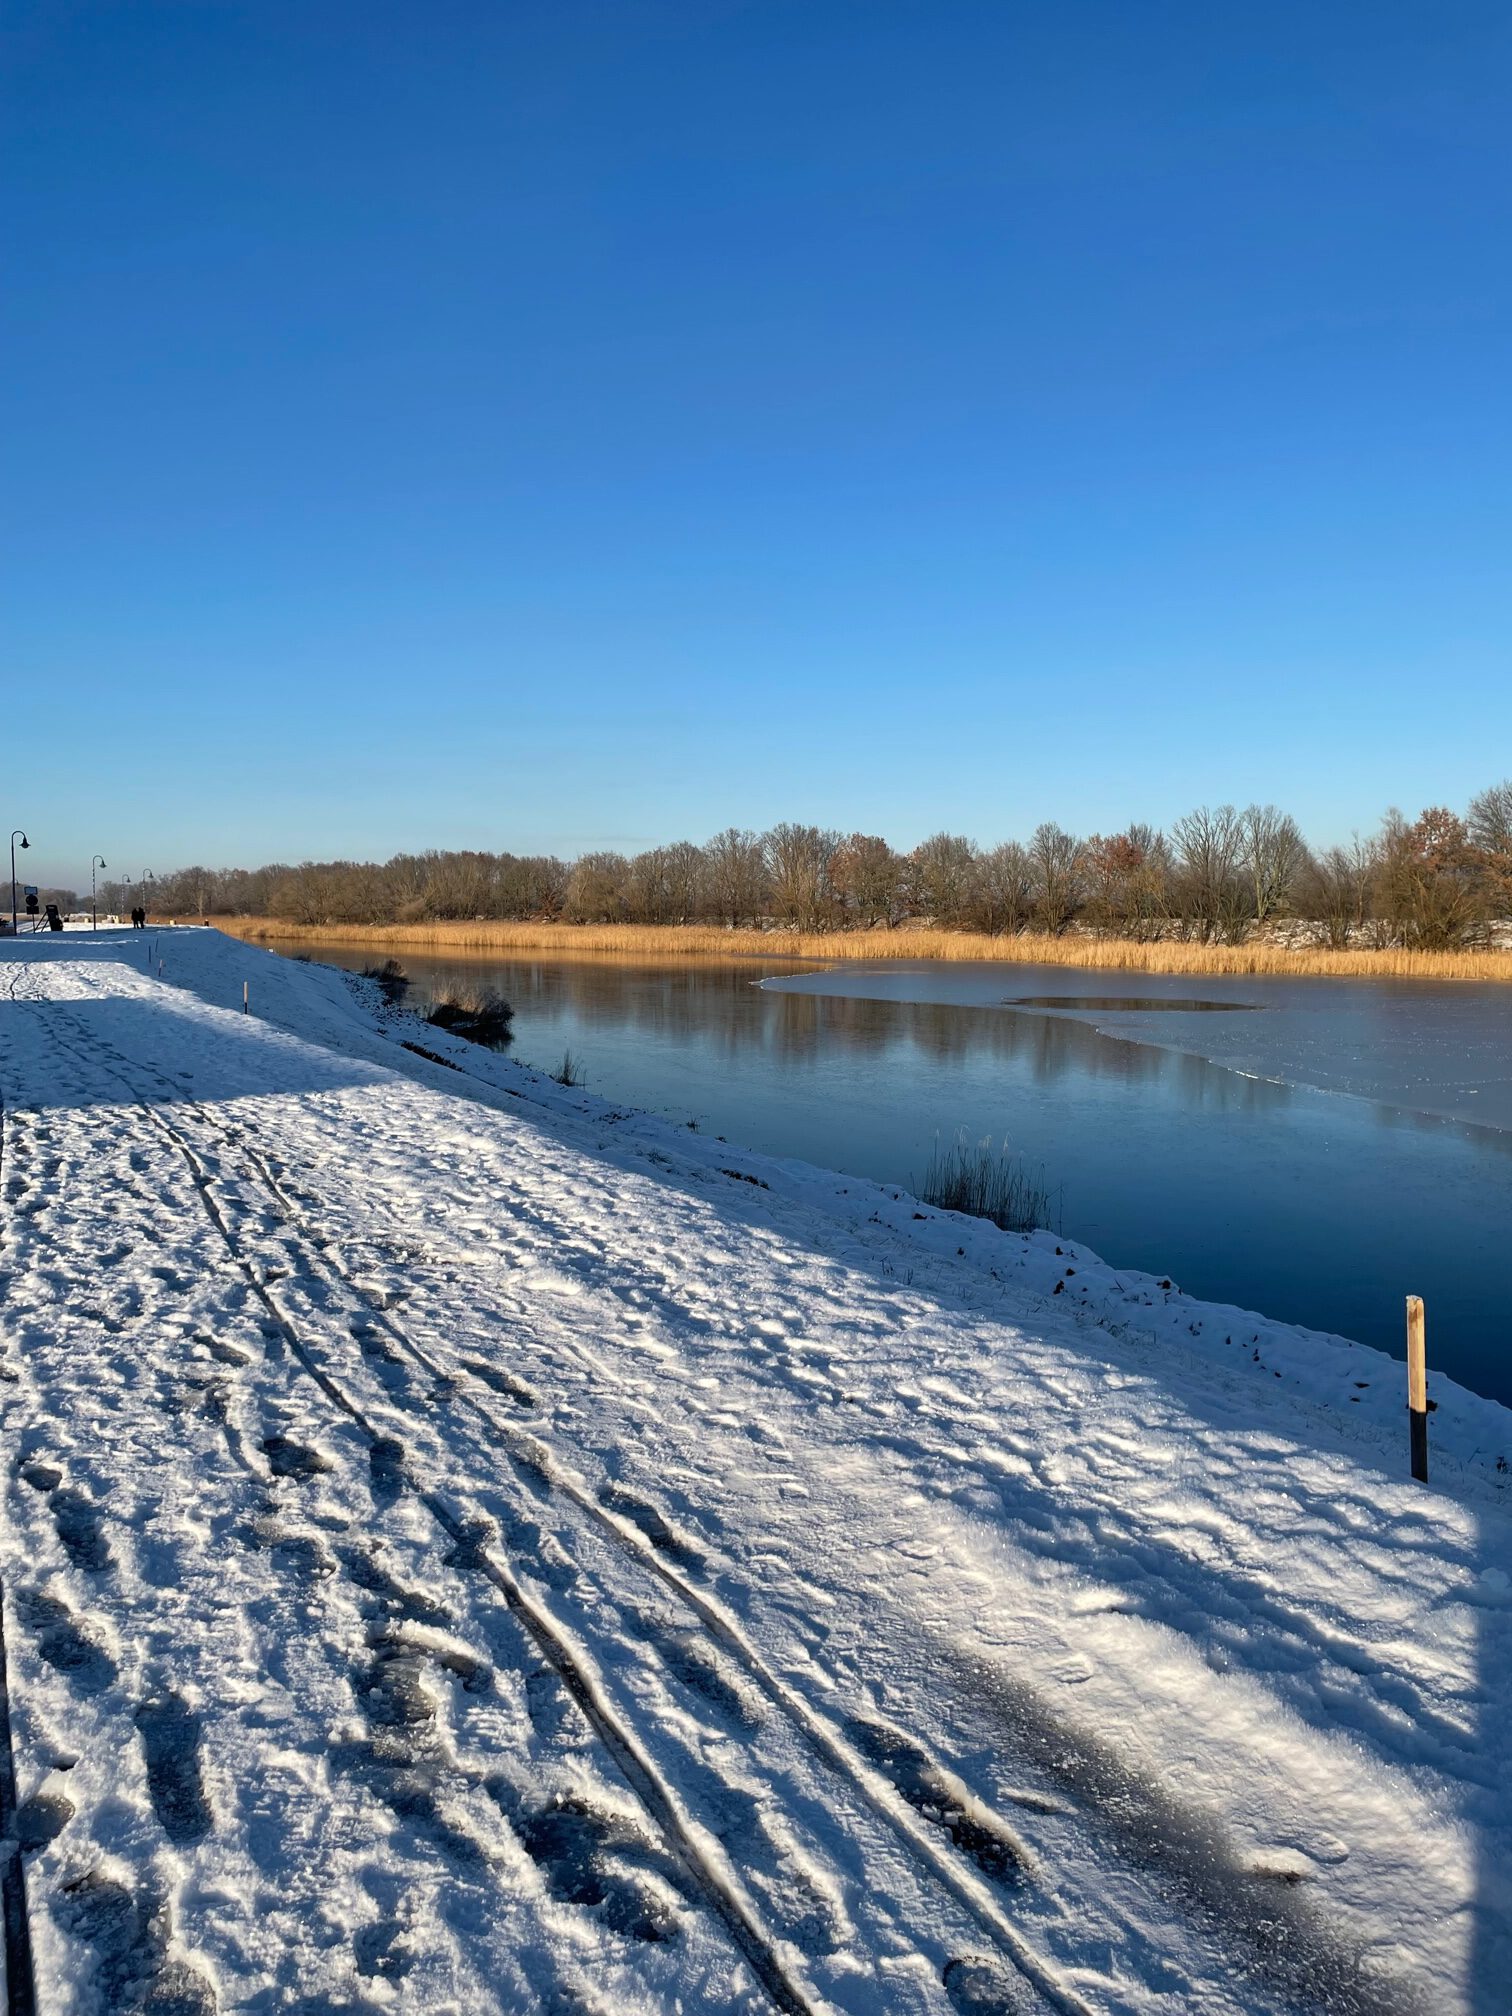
[[452, 1517], [674, 942]]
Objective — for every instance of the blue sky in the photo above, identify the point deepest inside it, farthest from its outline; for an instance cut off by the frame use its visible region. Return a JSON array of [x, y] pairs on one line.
[[566, 425]]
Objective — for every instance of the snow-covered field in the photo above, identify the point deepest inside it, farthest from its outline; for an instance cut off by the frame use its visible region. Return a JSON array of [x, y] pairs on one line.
[[469, 1548]]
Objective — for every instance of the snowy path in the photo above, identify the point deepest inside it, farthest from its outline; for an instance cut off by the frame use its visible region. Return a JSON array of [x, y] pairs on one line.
[[480, 1553]]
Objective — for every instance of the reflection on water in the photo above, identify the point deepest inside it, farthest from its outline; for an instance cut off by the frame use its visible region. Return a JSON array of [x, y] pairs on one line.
[[1249, 1187]]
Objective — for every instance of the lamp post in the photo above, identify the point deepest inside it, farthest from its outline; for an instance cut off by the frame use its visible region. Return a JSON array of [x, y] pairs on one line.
[[99, 861], [148, 878], [17, 835]]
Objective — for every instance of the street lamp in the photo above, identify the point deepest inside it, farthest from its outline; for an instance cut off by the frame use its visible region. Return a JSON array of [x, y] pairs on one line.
[[148, 879], [17, 835], [99, 861]]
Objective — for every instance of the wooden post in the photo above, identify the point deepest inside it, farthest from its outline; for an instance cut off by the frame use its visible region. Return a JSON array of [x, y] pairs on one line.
[[1417, 1388], [244, 997]]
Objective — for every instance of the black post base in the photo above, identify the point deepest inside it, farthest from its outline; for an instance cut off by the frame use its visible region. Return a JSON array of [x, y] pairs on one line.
[[1419, 1426]]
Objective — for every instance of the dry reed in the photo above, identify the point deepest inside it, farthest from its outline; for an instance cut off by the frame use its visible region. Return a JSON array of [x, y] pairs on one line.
[[670, 942], [985, 1182], [478, 1013]]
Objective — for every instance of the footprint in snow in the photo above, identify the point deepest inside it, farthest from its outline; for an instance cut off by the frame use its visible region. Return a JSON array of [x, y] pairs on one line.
[[392, 1597], [287, 1458], [599, 1860], [129, 1938], [386, 1472], [651, 1522], [79, 1528], [501, 1381], [940, 1797], [554, 1715], [170, 1733], [379, 1953], [41, 1819], [981, 1986], [691, 1660], [403, 1759], [64, 1642]]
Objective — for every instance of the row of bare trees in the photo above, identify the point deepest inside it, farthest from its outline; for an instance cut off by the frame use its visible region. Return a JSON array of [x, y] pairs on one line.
[[1218, 874]]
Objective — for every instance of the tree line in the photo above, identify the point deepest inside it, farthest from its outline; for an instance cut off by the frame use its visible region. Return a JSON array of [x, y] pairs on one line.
[[1218, 875]]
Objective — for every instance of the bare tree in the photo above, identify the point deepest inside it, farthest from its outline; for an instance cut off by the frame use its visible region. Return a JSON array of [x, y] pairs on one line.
[[1003, 889], [597, 888], [797, 859], [1490, 820], [737, 876], [459, 885], [1207, 844], [942, 871], [1057, 857], [1490, 827], [647, 897], [1429, 892], [867, 878], [1272, 850], [531, 885], [686, 873], [1336, 887], [1111, 866], [307, 894]]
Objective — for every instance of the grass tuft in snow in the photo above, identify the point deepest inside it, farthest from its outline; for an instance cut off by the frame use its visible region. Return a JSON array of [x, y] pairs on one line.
[[986, 1182], [569, 1071]]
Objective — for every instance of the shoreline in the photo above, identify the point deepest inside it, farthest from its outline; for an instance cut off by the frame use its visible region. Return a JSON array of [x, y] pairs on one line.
[[673, 942]]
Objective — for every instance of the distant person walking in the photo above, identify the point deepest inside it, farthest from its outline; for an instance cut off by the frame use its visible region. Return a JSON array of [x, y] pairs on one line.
[[139, 920]]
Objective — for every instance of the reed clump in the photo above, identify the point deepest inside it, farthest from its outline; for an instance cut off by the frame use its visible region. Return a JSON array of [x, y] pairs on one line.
[[393, 981], [673, 942], [986, 1182], [479, 1014]]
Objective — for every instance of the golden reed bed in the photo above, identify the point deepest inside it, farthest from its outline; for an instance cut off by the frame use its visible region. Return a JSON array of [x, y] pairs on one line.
[[671, 942]]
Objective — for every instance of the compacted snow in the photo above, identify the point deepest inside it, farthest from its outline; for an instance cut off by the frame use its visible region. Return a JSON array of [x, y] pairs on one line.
[[469, 1548]]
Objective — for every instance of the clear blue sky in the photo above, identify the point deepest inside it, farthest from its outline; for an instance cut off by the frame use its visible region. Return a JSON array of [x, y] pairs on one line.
[[562, 425]]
